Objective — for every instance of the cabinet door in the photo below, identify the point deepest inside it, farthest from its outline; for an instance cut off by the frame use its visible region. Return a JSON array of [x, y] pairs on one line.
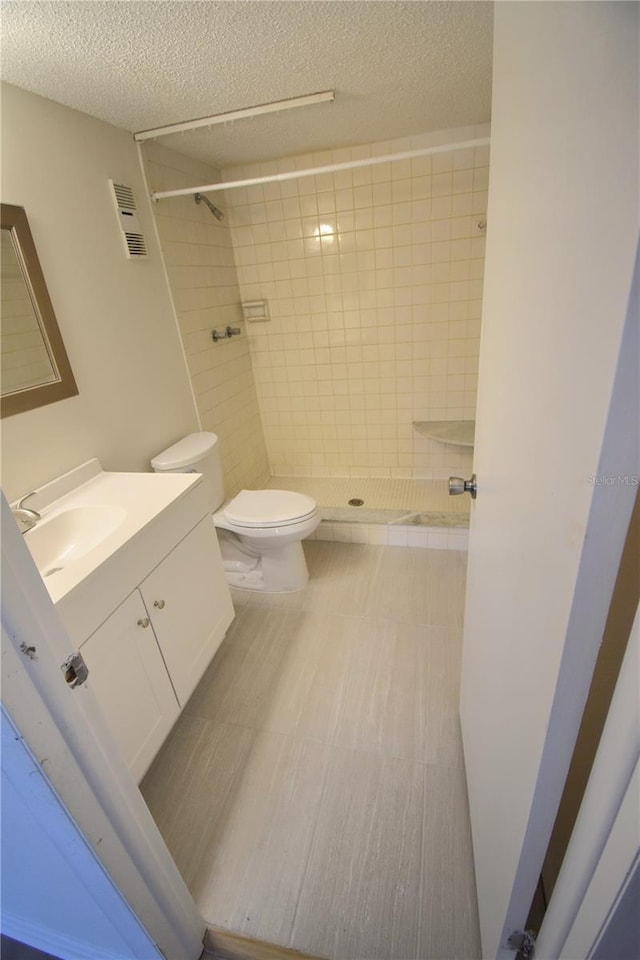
[[188, 600], [130, 680]]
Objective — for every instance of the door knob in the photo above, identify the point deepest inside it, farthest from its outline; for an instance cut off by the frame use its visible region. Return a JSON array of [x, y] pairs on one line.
[[457, 486]]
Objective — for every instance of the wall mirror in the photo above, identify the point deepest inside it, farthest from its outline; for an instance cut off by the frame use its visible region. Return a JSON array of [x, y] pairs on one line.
[[35, 368]]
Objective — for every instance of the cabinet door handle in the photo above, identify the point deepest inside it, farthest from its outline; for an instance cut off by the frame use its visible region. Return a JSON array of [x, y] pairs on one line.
[[159, 604], [143, 622]]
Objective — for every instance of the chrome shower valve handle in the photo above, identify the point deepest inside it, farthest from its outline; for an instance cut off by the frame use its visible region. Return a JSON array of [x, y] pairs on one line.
[[229, 332]]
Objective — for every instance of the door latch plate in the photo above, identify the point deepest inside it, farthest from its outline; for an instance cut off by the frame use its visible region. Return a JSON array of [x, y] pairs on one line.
[[75, 669]]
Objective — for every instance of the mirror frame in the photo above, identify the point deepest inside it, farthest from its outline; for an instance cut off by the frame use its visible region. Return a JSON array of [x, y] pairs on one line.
[[15, 219]]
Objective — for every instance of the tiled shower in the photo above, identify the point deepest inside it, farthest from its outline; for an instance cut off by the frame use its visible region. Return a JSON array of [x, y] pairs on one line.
[[373, 283]]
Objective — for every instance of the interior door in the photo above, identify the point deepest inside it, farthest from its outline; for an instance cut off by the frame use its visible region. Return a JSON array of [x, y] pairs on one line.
[[545, 535]]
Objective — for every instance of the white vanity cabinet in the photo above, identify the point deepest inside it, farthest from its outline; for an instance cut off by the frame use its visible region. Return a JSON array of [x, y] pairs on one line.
[[189, 606], [132, 563], [129, 678], [148, 655]]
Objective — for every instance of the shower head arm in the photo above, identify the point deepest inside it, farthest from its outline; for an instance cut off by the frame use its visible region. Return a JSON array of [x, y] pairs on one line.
[[199, 198]]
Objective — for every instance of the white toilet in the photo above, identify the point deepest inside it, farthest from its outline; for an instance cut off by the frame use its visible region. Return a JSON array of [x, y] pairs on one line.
[[259, 531]]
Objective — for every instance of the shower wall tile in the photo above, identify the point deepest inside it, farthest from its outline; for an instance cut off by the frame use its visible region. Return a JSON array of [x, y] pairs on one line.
[[374, 283], [202, 277]]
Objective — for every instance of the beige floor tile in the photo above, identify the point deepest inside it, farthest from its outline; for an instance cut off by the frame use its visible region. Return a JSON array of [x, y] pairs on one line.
[[420, 586], [246, 671], [449, 928], [441, 739], [400, 692], [381, 706], [189, 782], [307, 701], [250, 876], [319, 747], [342, 577], [360, 896]]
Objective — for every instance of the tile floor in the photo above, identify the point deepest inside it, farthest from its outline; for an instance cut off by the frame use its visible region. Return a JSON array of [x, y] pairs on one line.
[[313, 792]]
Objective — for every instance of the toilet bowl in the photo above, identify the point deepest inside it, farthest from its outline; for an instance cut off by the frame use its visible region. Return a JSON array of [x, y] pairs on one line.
[[266, 527], [260, 532]]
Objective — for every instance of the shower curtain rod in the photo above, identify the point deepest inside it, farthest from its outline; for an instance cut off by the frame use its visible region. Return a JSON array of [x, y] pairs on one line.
[[318, 171], [274, 106]]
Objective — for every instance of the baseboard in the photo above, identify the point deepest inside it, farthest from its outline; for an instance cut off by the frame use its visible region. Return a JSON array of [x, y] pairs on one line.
[[221, 944]]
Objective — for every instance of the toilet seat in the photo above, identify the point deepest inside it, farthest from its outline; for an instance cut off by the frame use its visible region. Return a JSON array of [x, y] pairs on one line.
[[269, 508]]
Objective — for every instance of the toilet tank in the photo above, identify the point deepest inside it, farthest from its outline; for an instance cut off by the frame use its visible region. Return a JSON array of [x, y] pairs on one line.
[[197, 453]]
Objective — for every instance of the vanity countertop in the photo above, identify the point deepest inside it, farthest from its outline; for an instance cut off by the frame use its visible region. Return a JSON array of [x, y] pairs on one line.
[[88, 515]]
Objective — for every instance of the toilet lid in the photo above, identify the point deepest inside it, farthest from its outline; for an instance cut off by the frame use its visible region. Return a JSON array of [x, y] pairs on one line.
[[269, 508]]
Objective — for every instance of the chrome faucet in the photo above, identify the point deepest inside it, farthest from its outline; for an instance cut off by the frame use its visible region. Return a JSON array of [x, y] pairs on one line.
[[25, 517]]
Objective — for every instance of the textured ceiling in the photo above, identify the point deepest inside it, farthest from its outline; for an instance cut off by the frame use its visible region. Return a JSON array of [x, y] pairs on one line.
[[397, 67]]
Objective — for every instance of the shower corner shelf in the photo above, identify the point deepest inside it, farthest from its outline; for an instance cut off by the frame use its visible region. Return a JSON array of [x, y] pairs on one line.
[[457, 433]]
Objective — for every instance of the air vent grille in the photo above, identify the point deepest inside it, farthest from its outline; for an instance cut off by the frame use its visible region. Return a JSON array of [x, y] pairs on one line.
[[134, 242], [124, 196]]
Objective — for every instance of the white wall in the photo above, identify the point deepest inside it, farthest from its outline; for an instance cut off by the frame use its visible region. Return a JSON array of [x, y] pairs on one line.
[[115, 314]]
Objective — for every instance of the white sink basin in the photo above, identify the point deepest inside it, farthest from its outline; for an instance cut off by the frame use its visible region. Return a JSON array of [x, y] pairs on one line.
[[89, 516], [69, 535]]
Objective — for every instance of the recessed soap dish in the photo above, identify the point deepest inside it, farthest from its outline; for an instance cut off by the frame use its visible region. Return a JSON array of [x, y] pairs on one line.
[[255, 310]]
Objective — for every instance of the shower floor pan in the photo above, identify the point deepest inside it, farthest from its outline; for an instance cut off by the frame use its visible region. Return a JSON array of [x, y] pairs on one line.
[[402, 512]]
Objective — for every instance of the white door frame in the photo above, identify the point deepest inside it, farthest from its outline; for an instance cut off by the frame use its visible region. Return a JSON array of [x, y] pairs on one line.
[[613, 881], [66, 730], [605, 840]]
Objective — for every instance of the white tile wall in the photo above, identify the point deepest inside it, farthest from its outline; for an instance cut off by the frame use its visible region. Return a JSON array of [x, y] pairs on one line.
[[202, 275], [374, 283], [394, 535]]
